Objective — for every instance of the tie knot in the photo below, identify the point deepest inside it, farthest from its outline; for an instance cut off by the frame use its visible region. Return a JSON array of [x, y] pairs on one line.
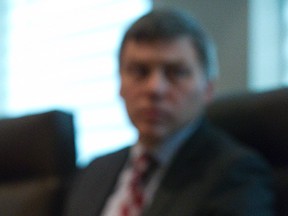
[[142, 162], [144, 165]]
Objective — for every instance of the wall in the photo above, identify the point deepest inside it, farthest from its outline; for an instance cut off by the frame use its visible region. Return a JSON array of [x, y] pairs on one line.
[[226, 20]]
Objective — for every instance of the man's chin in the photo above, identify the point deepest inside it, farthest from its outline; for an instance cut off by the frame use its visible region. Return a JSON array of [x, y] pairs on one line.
[[152, 137]]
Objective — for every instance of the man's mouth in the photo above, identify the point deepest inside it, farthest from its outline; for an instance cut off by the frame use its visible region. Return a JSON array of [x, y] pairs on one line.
[[153, 114]]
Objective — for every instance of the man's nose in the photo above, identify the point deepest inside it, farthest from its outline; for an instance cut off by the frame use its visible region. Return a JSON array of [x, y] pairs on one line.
[[157, 82]]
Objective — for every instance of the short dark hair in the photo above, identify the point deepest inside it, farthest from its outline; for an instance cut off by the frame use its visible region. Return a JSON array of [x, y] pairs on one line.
[[169, 24]]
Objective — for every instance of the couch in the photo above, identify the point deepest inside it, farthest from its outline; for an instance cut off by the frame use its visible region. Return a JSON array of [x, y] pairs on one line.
[[37, 160], [259, 120]]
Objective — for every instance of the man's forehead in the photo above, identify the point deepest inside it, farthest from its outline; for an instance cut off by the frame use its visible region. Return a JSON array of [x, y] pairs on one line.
[[176, 52], [180, 46], [162, 40]]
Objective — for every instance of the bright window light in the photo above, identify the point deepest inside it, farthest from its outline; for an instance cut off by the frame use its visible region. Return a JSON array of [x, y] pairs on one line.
[[285, 42], [63, 55]]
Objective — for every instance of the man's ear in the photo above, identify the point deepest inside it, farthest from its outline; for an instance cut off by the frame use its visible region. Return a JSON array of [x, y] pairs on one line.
[[210, 91], [120, 83], [121, 93]]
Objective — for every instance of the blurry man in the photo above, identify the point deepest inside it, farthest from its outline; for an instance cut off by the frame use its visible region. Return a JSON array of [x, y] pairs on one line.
[[167, 68]]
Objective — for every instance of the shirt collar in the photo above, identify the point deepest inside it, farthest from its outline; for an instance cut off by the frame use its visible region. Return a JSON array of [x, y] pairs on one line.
[[165, 151]]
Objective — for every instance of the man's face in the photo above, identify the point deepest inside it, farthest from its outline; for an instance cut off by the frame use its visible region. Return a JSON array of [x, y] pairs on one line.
[[163, 85]]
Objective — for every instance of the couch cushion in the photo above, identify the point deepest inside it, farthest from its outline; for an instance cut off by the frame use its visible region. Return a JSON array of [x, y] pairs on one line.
[[37, 145], [30, 198], [258, 120]]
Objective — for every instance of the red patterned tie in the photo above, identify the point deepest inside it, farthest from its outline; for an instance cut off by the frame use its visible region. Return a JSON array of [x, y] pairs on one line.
[[133, 206]]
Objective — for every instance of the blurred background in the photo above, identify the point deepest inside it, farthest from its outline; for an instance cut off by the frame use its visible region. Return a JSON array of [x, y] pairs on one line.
[[62, 54]]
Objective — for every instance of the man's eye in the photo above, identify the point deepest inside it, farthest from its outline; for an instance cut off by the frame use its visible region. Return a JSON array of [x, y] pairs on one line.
[[177, 73], [137, 71]]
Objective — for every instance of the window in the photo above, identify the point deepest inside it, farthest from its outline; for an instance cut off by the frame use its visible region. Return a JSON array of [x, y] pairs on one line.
[[63, 55], [285, 41], [268, 44]]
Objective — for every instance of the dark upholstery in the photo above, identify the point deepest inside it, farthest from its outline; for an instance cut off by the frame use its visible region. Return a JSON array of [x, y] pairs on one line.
[[37, 158], [259, 120]]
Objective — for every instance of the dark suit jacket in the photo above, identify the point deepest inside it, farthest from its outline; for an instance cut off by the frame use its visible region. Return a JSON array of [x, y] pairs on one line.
[[211, 175]]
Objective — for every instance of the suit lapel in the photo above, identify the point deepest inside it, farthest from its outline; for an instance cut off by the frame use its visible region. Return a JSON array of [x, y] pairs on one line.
[[193, 154], [107, 177]]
